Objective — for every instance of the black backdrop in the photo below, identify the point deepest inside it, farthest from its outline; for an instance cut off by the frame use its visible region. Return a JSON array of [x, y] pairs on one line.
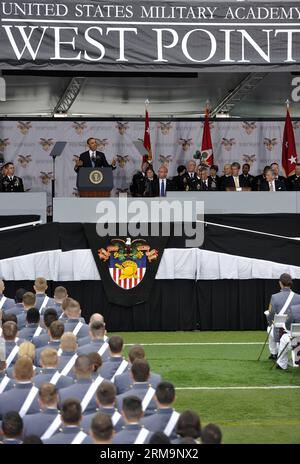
[[178, 304]]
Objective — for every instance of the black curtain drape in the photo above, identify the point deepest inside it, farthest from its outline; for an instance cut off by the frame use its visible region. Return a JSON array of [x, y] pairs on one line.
[[177, 304]]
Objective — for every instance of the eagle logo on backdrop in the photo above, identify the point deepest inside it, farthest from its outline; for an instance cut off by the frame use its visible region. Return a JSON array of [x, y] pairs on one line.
[[24, 160], [79, 127], [122, 160], [249, 159], [249, 126], [165, 159], [101, 143], [4, 143], [46, 177], [122, 127], [164, 127], [46, 143], [127, 260], [186, 144], [24, 126], [270, 143], [228, 143]]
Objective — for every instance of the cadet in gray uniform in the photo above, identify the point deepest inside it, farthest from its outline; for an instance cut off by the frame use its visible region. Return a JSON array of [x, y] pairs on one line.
[[5, 303], [188, 425], [97, 343], [49, 362], [96, 317], [9, 333], [28, 301], [12, 428], [42, 300], [83, 382], [133, 432], [124, 381], [165, 418], [105, 399], [141, 388], [56, 331], [70, 432], [293, 317], [50, 315], [60, 293], [276, 306], [5, 382], [13, 400], [37, 424], [74, 322], [115, 364], [101, 430], [32, 324], [18, 307]]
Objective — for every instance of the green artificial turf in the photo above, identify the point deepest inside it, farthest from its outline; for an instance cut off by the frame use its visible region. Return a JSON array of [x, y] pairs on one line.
[[245, 416]]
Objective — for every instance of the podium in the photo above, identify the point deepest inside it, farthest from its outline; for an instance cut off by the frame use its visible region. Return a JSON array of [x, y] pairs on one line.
[[95, 182]]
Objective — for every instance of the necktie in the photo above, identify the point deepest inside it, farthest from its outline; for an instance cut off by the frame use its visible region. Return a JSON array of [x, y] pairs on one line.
[[162, 188], [93, 158], [236, 182], [271, 187]]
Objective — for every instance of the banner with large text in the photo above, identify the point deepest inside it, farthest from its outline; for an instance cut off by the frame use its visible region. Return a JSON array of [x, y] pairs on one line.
[[152, 35]]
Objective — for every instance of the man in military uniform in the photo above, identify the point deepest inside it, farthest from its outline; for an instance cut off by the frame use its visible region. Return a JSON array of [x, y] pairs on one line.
[[294, 181], [5, 303], [280, 303], [293, 317], [141, 387], [49, 363], [101, 430], [165, 418], [190, 177], [32, 324], [12, 428], [28, 301], [68, 346], [124, 381], [178, 180], [74, 322], [50, 315], [70, 432], [56, 331], [42, 300], [37, 424], [10, 182], [133, 432], [106, 401], [137, 186], [115, 364], [97, 343], [95, 317], [60, 293]]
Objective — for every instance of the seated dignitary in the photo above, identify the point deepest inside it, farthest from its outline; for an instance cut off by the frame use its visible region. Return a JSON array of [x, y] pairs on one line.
[[12, 428], [285, 344], [293, 181], [246, 179], [22, 397], [280, 303], [133, 432], [211, 435], [97, 343], [74, 322], [101, 430], [48, 372], [165, 417], [215, 179], [38, 423], [5, 303], [11, 183], [149, 182], [235, 181], [42, 300], [124, 381], [6, 383], [60, 294], [277, 176], [68, 353], [188, 426], [28, 302], [137, 185], [70, 432], [259, 180], [50, 315], [56, 331], [18, 308], [32, 325], [178, 183], [96, 317], [115, 364], [204, 182], [270, 184], [189, 178], [106, 400], [224, 179], [9, 333], [85, 387], [141, 388]]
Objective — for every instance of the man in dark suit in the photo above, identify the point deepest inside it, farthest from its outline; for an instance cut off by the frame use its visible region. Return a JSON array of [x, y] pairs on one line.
[[10, 182], [204, 182], [236, 181], [275, 169], [161, 185], [190, 177], [294, 181], [137, 186], [259, 180], [270, 184], [178, 180], [215, 184], [93, 158], [247, 179]]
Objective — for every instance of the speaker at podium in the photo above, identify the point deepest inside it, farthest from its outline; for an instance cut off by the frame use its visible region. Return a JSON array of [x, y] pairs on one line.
[[95, 182]]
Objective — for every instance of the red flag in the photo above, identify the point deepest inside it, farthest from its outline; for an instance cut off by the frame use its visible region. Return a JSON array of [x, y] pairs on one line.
[[206, 148], [289, 154], [147, 141]]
